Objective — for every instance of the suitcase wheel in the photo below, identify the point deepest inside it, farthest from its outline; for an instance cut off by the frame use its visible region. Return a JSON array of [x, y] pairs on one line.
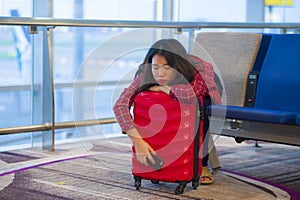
[[195, 183], [154, 182], [137, 182], [180, 188]]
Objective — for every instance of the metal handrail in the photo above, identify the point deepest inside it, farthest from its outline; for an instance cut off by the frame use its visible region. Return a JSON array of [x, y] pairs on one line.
[[27, 86], [61, 125], [28, 21]]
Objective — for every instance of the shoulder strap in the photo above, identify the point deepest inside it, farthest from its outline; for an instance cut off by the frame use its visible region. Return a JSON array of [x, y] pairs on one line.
[[198, 136]]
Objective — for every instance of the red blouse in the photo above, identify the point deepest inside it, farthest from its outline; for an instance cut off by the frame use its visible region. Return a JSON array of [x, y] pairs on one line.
[[185, 93]]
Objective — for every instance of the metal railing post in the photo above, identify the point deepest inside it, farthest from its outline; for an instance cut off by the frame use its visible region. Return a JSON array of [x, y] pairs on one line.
[[48, 92]]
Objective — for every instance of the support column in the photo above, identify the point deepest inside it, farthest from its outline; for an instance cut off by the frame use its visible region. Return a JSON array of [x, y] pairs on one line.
[[255, 11]]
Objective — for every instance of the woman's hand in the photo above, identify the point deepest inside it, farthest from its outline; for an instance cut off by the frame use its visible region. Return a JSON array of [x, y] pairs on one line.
[[160, 88], [143, 151], [142, 148]]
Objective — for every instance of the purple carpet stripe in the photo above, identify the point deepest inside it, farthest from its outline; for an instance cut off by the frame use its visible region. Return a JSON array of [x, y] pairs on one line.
[[43, 164], [293, 194]]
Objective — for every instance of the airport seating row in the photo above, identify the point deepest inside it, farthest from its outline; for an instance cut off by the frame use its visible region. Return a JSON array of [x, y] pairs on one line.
[[271, 92]]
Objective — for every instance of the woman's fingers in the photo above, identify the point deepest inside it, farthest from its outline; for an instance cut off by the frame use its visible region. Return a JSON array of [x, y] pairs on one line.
[[144, 152], [155, 88], [145, 158]]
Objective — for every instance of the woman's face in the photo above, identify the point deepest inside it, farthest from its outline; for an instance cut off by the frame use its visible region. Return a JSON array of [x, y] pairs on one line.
[[163, 73]]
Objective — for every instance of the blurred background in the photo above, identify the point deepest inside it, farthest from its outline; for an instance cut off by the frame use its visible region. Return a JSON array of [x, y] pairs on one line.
[[92, 65]]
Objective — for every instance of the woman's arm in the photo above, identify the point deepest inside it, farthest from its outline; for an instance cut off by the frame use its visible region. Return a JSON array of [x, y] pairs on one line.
[[122, 112], [142, 148], [207, 70], [185, 93], [199, 86], [123, 104], [161, 88]]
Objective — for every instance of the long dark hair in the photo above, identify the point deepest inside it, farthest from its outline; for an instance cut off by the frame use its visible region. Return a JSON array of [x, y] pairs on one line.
[[176, 56]]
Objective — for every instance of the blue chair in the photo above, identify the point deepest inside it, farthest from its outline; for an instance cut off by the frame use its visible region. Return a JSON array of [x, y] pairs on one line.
[[277, 96], [275, 115], [279, 81]]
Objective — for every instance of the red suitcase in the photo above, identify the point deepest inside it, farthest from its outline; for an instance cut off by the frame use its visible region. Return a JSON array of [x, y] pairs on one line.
[[173, 131]]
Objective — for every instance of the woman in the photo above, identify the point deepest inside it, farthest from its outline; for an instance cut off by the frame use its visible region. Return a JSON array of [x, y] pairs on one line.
[[166, 68]]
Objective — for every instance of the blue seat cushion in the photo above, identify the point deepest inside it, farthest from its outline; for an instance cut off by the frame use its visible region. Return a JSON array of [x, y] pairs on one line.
[[253, 114]]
